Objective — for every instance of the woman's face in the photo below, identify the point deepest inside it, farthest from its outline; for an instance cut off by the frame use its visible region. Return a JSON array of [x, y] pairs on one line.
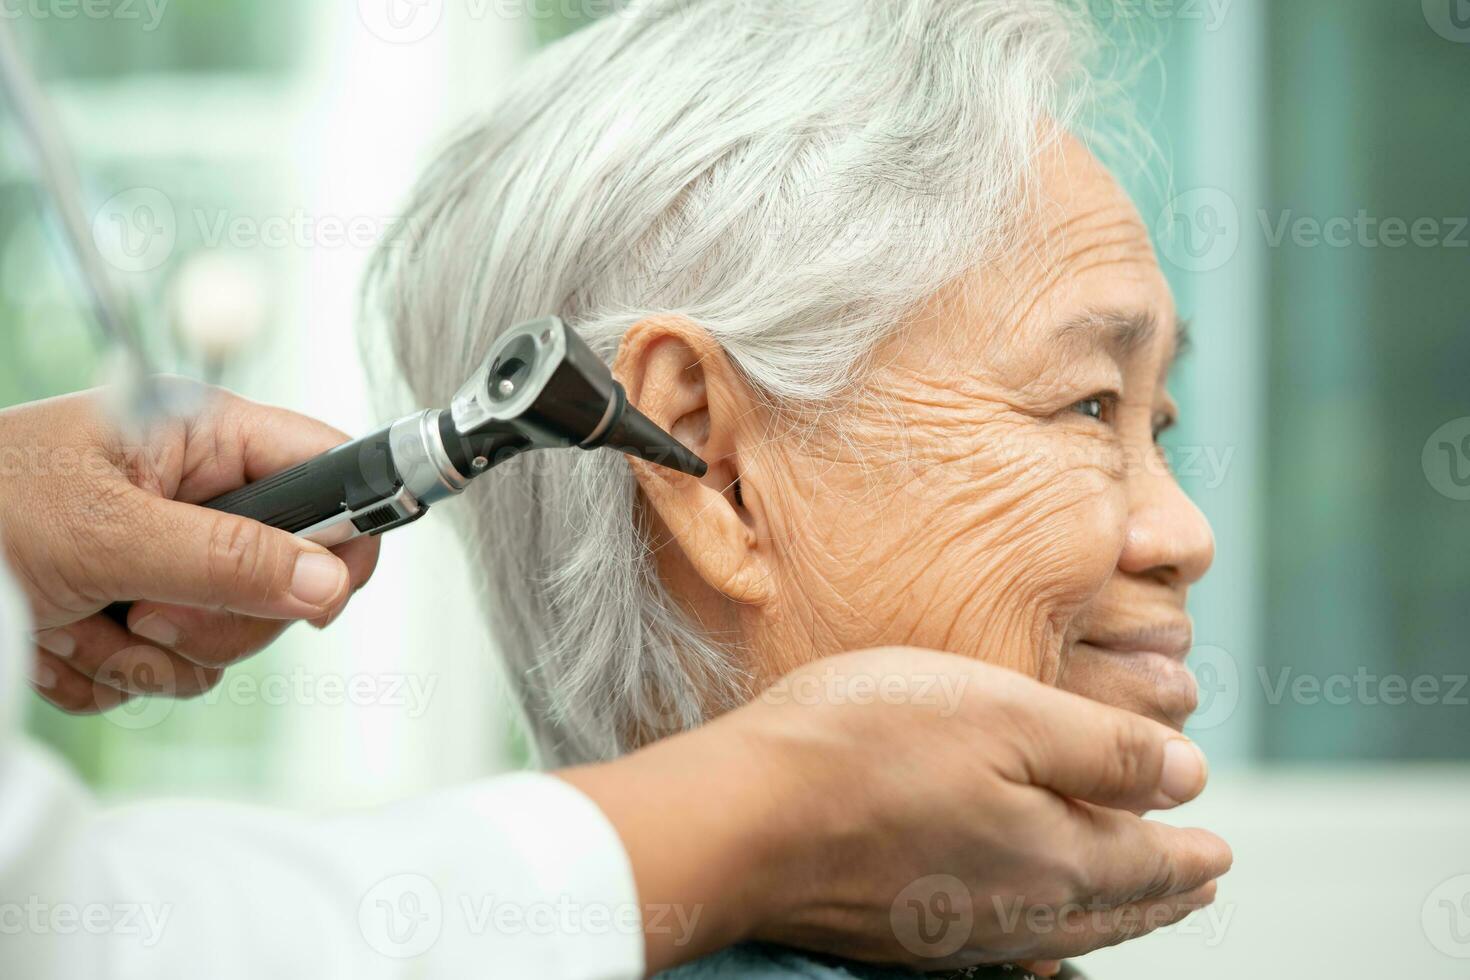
[[999, 491]]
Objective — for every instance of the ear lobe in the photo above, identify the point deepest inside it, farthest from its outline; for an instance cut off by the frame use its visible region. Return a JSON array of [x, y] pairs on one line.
[[677, 375]]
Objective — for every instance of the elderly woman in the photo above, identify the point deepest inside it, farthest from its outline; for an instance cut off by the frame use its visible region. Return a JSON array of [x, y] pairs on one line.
[[853, 254]]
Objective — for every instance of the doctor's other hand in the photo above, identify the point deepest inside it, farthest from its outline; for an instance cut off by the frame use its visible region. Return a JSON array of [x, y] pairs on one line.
[[90, 516], [905, 806]]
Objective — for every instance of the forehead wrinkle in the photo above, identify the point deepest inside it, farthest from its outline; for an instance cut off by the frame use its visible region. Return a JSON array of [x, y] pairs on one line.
[[1099, 220], [1072, 265], [1040, 252], [1119, 228]]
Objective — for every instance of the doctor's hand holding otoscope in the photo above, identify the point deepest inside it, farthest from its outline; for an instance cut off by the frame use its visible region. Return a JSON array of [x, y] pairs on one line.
[[100, 517], [256, 550]]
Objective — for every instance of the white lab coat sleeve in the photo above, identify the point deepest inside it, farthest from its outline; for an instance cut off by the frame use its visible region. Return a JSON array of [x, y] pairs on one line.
[[515, 877]]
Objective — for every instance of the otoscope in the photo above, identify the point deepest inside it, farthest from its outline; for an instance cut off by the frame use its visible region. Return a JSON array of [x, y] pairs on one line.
[[540, 387]]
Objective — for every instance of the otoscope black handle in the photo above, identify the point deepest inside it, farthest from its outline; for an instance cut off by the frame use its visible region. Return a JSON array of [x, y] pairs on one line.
[[350, 477]]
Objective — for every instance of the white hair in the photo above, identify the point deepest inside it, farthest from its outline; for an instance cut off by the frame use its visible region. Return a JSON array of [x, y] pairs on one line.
[[793, 176]]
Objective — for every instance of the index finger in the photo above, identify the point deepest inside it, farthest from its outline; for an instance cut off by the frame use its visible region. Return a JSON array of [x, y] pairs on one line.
[[235, 441], [1137, 860]]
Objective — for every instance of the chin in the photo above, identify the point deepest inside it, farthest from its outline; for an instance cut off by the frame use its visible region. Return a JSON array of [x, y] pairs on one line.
[[1154, 684]]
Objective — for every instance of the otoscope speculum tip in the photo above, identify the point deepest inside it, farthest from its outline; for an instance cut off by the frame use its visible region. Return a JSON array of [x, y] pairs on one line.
[[637, 435]]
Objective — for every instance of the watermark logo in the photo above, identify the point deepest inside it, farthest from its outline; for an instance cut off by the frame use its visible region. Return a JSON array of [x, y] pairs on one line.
[[1446, 459], [148, 14], [1446, 917], [1199, 230], [402, 916], [130, 921], [139, 669], [127, 670], [1363, 230], [136, 230], [400, 21], [139, 230], [1016, 917], [933, 917], [1363, 687], [831, 686], [1450, 19], [1217, 677]]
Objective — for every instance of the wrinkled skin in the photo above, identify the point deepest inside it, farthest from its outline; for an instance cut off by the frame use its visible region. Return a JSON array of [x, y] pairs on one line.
[[997, 491]]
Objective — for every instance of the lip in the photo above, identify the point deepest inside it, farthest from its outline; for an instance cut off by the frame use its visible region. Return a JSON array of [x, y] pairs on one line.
[[1172, 639], [1162, 686]]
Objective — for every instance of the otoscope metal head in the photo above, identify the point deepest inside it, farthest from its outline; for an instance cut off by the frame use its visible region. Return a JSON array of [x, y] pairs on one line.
[[542, 387]]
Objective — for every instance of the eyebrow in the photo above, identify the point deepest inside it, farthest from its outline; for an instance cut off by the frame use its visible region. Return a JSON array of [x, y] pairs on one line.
[[1183, 338], [1120, 332]]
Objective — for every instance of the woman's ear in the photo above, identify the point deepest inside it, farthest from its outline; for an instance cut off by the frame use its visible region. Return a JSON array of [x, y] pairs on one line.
[[677, 375]]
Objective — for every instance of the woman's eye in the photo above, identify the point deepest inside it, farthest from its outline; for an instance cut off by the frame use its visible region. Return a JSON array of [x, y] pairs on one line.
[[1163, 422], [1098, 407]]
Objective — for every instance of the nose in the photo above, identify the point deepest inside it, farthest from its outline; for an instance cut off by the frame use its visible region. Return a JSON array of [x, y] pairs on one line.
[[1168, 537]]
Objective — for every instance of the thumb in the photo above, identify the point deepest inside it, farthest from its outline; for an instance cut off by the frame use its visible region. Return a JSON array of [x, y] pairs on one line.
[[173, 552], [1111, 757]]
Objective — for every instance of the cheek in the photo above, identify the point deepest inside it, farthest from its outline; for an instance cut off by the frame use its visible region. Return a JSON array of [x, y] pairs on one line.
[[1047, 532], [1091, 523], [984, 542]]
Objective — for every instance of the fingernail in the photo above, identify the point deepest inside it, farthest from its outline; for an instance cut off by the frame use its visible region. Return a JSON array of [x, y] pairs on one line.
[[43, 675], [1184, 772], [158, 629], [59, 642], [317, 578], [322, 622]]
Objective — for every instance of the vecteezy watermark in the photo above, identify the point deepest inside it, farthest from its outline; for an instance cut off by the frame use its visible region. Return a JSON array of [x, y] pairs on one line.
[[1450, 19], [148, 14], [923, 470], [1210, 13], [1016, 918], [139, 920], [138, 230], [1364, 687], [1223, 685], [1445, 917], [295, 228], [933, 917], [1364, 230], [410, 694], [831, 686], [1199, 230], [59, 461], [1446, 459], [403, 916]]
